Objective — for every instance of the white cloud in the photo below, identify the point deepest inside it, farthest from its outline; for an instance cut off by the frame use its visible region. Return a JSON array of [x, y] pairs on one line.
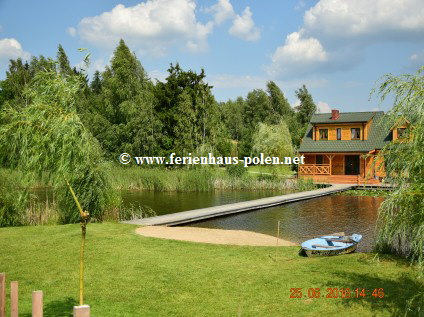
[[387, 18], [10, 48], [338, 31], [244, 27], [297, 55], [222, 11], [295, 104], [72, 31], [417, 58], [323, 107], [152, 27], [301, 49]]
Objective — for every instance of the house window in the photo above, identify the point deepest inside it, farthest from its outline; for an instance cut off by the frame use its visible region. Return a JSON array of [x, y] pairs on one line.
[[319, 159], [401, 132], [339, 133], [355, 133], [323, 134]]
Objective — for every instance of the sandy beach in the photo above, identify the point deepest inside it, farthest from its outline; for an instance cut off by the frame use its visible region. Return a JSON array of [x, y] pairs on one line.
[[213, 236]]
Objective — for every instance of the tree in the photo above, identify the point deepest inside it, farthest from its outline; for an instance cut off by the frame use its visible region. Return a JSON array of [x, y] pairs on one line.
[[307, 106], [272, 140], [233, 117], [96, 83], [188, 110], [63, 65], [47, 140], [402, 213], [17, 78], [280, 106], [258, 108], [122, 115]]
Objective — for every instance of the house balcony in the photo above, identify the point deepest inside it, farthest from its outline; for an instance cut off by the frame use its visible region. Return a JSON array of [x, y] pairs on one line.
[[314, 169]]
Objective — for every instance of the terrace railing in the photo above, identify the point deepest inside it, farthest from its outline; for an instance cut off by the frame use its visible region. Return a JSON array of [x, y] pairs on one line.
[[314, 169]]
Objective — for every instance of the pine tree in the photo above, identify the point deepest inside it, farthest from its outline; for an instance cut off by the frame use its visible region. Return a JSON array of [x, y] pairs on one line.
[[64, 67], [125, 118], [96, 83], [198, 121]]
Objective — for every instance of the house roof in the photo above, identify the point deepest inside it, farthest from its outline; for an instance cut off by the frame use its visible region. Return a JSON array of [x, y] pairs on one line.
[[378, 136], [345, 117]]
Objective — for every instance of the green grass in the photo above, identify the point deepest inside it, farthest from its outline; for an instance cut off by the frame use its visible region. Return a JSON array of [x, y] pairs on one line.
[[366, 192], [130, 275]]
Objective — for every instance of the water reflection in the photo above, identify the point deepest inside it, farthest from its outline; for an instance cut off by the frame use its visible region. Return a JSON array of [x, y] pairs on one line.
[[328, 214], [170, 202]]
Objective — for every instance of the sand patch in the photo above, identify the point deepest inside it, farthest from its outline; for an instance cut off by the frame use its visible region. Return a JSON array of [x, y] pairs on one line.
[[214, 236]]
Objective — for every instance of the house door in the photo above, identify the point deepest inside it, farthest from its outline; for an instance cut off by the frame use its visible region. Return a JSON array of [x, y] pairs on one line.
[[351, 164]]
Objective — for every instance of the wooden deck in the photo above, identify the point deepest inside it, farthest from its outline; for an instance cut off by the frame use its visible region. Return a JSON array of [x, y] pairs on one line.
[[342, 179]]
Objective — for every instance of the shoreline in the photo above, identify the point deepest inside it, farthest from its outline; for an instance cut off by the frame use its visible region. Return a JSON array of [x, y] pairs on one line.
[[213, 236]]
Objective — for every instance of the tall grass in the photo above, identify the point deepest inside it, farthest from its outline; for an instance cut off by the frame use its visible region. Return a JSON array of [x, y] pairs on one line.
[[200, 179]]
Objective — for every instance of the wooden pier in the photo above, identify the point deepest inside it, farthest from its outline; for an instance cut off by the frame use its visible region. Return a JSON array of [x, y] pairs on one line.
[[218, 211]]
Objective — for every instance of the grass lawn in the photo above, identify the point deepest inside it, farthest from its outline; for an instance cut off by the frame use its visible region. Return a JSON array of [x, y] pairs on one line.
[[130, 275]]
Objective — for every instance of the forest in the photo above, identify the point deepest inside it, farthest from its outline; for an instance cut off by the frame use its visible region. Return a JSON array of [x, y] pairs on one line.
[[126, 111], [58, 127]]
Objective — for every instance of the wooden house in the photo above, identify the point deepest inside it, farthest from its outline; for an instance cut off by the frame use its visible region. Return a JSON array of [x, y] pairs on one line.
[[343, 147]]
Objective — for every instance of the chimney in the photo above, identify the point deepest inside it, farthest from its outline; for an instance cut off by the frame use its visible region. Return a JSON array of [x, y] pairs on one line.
[[335, 114]]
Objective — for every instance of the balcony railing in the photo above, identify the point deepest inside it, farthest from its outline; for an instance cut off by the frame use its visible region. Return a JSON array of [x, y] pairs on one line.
[[314, 169]]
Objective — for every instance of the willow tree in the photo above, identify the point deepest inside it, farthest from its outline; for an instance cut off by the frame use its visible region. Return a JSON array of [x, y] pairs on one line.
[[401, 215], [272, 140], [47, 140]]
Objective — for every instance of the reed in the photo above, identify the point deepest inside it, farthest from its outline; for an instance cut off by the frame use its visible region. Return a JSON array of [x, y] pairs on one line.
[[200, 179]]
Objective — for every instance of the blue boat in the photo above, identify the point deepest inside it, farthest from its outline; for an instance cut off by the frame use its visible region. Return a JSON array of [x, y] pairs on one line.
[[330, 245]]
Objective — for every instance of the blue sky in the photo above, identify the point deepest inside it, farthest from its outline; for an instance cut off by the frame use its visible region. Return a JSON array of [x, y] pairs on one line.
[[337, 48]]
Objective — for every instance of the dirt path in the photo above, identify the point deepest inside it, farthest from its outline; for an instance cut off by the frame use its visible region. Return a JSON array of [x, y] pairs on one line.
[[214, 236]]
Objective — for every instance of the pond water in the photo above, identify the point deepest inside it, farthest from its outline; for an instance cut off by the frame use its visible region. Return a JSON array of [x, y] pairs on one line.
[[170, 202], [324, 215]]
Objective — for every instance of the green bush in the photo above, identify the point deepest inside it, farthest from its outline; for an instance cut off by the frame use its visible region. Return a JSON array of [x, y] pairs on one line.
[[12, 200], [236, 170]]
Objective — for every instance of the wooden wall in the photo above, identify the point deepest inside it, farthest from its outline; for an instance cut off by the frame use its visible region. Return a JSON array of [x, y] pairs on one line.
[[374, 167], [346, 132], [337, 165], [309, 158]]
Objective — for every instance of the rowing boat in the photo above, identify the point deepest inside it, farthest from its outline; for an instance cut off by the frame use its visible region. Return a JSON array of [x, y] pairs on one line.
[[330, 245]]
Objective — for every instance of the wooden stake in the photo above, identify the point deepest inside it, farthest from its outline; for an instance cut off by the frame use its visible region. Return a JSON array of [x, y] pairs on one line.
[[278, 231], [37, 304], [278, 238], [14, 310], [82, 311], [2, 294]]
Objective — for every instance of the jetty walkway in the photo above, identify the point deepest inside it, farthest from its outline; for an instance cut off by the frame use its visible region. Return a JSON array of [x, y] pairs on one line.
[[217, 211]]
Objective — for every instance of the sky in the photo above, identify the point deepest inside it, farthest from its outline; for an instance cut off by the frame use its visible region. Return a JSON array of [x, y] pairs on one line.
[[338, 48]]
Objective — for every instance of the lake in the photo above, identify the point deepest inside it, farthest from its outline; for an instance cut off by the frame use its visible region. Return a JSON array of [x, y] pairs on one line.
[[328, 214]]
